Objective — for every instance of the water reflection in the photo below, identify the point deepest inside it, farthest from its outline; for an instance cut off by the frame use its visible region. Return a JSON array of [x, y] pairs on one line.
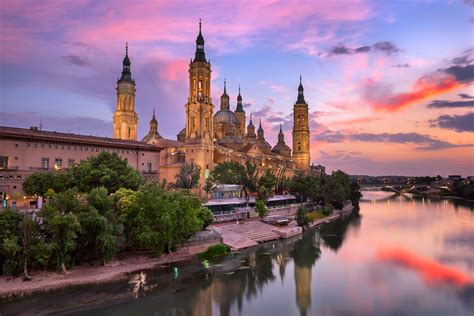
[[402, 255]]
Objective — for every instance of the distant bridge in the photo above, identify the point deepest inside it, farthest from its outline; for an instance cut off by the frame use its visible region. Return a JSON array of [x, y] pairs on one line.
[[414, 188]]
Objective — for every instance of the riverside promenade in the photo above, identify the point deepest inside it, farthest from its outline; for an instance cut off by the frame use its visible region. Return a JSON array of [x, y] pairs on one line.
[[251, 232]]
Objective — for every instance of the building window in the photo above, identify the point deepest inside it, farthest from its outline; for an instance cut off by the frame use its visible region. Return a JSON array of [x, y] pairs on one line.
[[148, 166], [3, 162], [35, 145], [70, 163], [45, 163], [18, 177], [58, 164]]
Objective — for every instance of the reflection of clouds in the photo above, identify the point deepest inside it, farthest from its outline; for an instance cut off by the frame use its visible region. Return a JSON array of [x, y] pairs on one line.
[[431, 271]]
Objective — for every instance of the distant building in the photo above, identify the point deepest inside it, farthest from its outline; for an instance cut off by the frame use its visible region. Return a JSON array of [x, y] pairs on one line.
[[25, 151]]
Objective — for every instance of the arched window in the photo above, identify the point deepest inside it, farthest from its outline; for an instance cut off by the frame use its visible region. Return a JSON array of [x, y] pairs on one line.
[[299, 146]]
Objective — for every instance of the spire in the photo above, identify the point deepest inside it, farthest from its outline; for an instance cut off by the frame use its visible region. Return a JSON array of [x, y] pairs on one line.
[[251, 129], [300, 99], [126, 73], [200, 55], [260, 133], [239, 108], [225, 98], [153, 122], [281, 136]]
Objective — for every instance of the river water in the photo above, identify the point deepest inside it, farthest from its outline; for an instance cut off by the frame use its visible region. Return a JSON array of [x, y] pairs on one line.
[[400, 256]]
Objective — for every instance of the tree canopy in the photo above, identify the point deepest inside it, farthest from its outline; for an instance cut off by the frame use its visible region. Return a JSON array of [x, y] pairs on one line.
[[188, 176]]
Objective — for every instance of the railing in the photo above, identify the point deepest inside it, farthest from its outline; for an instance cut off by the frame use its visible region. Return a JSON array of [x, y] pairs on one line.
[[237, 213]]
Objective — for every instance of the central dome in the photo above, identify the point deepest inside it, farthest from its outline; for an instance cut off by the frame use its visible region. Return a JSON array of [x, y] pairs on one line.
[[225, 116]]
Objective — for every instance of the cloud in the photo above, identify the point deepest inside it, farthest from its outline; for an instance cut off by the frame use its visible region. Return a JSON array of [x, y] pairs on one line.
[[72, 124], [432, 272], [401, 66], [76, 60], [465, 96], [459, 123], [450, 104], [425, 142], [380, 97], [464, 74], [387, 48]]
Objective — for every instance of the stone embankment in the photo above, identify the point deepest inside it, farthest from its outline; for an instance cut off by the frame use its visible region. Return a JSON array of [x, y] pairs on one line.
[[240, 235]]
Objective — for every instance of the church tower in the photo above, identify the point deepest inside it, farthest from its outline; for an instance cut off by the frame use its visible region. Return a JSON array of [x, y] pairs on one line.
[[240, 114], [199, 112], [125, 117], [301, 135]]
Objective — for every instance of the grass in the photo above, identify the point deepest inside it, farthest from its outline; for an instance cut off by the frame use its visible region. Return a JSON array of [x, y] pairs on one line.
[[214, 251], [314, 215]]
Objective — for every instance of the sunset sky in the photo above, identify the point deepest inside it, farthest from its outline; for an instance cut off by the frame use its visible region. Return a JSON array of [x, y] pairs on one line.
[[389, 83]]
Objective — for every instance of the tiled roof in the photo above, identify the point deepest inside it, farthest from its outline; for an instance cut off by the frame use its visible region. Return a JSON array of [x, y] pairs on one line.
[[36, 134]]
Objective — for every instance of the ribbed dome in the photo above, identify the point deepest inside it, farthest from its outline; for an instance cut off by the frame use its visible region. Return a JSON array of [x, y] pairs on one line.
[[281, 147], [225, 116]]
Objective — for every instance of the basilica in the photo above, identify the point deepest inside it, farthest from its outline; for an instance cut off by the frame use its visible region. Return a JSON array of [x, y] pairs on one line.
[[210, 137]]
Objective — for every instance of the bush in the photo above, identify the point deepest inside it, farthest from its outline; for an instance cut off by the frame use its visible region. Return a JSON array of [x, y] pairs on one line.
[[261, 209], [205, 215], [302, 217], [327, 211], [213, 251]]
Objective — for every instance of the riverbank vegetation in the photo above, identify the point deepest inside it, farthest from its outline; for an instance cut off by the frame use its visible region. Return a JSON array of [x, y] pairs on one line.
[[214, 251], [99, 207]]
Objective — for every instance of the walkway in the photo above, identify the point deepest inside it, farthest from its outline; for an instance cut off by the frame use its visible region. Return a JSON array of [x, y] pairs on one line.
[[248, 234]]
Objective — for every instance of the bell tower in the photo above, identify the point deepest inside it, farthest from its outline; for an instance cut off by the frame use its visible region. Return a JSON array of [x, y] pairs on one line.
[[199, 112], [301, 134], [240, 114], [125, 117]]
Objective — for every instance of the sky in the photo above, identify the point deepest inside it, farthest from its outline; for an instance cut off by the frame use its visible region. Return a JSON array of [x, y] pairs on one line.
[[389, 83]]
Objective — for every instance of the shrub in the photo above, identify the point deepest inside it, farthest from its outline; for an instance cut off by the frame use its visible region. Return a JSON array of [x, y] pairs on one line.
[[327, 211], [302, 217], [261, 209], [213, 251], [205, 215]]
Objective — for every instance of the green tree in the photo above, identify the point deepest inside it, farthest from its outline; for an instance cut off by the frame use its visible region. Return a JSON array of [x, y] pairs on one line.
[[159, 220], [9, 241], [188, 176], [205, 215], [100, 227], [302, 217], [228, 173], [105, 170], [61, 226], [306, 187], [40, 182], [261, 209], [266, 185], [337, 189], [249, 179]]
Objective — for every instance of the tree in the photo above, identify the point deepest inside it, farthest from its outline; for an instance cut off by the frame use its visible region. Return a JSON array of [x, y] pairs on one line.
[[302, 217], [337, 189], [9, 241], [188, 176], [228, 173], [266, 185], [61, 226], [206, 217], [105, 170], [100, 227], [40, 182], [261, 209], [306, 187], [159, 220], [249, 179]]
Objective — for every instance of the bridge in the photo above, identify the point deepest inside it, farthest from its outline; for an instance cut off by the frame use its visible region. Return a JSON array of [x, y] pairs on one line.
[[410, 188]]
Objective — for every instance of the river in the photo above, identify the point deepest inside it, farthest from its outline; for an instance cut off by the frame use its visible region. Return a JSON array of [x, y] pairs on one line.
[[401, 255]]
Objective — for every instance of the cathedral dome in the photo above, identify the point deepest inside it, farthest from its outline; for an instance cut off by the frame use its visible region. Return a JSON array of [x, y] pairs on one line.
[[225, 116]]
